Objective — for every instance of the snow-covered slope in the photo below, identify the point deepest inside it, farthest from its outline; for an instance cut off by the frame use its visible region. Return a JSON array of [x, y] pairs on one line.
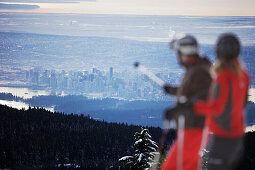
[[250, 128]]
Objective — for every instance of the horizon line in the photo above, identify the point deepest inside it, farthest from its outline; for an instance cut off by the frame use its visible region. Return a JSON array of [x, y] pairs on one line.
[[73, 13]]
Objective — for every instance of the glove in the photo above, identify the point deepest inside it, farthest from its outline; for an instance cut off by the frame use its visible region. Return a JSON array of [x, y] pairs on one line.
[[188, 104], [169, 113], [179, 109], [170, 90]]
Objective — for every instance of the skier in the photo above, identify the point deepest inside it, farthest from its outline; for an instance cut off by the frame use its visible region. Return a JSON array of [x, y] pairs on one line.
[[224, 109], [195, 84]]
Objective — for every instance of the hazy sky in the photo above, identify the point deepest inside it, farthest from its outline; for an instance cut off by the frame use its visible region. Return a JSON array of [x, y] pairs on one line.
[[145, 7]]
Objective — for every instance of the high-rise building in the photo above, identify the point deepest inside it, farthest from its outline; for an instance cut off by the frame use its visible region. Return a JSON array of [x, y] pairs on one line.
[[91, 77], [36, 78], [27, 75], [65, 82], [31, 75], [53, 80], [111, 73]]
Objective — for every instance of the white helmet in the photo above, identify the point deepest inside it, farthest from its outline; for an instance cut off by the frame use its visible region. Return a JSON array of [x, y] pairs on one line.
[[186, 45]]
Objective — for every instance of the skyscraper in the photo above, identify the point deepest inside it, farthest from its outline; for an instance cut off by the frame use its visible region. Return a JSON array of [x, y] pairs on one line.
[[111, 73]]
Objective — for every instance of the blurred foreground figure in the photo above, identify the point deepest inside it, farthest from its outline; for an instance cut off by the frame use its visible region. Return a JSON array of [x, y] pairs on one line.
[[184, 153], [224, 109]]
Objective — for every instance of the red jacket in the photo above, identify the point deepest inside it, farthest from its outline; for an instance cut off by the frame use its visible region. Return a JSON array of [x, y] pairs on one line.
[[224, 109]]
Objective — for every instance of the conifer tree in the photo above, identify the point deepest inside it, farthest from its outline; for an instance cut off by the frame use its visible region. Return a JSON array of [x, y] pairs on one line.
[[144, 153]]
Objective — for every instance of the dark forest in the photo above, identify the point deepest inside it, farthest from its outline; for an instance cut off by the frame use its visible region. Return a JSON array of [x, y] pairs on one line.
[[36, 138], [39, 139]]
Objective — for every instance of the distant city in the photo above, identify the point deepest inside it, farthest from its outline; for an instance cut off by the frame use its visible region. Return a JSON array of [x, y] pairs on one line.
[[95, 67], [95, 83], [62, 68]]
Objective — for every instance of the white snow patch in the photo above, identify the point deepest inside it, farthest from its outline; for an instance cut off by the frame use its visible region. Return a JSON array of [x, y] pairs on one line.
[[151, 141], [152, 148], [252, 95], [69, 165], [250, 129], [148, 135], [125, 158], [140, 157], [139, 141], [145, 133]]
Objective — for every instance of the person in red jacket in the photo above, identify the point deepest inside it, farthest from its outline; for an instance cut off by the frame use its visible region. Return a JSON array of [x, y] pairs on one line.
[[224, 109], [184, 153]]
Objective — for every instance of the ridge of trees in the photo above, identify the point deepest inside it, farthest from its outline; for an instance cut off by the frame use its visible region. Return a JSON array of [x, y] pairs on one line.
[[37, 138]]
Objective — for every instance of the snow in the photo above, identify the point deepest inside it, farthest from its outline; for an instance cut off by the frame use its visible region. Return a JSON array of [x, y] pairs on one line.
[[148, 151], [155, 153], [151, 141], [65, 165], [148, 135], [77, 166], [252, 94], [69, 165], [139, 141], [152, 148], [144, 131], [140, 157], [124, 158], [250, 129]]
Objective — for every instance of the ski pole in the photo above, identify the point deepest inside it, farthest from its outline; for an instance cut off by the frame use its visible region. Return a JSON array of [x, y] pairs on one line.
[[162, 140], [203, 145], [153, 77], [145, 71], [180, 142]]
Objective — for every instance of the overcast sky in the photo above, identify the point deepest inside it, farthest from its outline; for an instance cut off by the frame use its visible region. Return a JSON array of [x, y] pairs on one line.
[[144, 7]]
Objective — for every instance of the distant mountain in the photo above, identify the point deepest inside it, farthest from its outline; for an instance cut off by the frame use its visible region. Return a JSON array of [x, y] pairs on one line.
[[139, 112]]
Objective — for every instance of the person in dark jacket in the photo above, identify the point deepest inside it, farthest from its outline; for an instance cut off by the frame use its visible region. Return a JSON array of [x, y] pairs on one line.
[[184, 154], [225, 107]]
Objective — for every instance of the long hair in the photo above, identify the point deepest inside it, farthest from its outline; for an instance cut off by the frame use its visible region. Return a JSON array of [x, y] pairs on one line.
[[234, 65]]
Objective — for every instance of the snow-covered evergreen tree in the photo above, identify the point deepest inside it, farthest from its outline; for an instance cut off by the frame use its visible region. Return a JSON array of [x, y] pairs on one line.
[[144, 153]]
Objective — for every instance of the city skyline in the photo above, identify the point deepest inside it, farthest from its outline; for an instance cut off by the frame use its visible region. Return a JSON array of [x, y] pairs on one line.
[[95, 83]]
